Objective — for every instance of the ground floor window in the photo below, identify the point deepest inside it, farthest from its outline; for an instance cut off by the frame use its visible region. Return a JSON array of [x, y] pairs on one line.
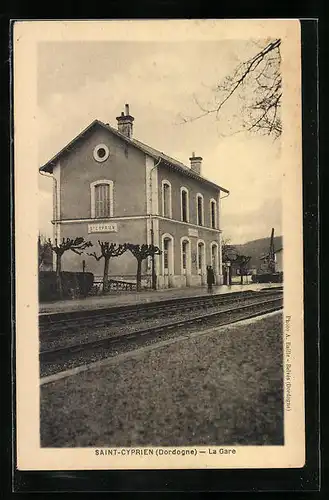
[[214, 257], [185, 250], [193, 254], [184, 254], [165, 254], [201, 258]]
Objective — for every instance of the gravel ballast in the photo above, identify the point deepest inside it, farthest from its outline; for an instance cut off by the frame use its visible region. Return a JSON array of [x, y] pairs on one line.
[[221, 388]]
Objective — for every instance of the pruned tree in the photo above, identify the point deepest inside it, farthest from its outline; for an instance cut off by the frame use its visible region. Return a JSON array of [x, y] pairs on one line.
[[108, 251], [242, 261], [257, 83], [229, 252], [76, 245], [142, 252]]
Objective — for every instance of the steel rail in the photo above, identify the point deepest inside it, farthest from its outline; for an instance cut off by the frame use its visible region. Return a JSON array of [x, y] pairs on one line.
[[229, 315], [50, 324]]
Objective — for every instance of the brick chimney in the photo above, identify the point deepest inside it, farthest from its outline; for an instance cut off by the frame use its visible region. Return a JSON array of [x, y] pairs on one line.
[[196, 162], [125, 122]]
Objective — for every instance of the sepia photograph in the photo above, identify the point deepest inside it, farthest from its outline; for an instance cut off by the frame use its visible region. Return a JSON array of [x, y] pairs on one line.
[[160, 285]]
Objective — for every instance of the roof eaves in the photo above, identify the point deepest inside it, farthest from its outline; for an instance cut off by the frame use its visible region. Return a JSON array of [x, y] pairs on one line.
[[48, 167], [189, 172], [156, 154]]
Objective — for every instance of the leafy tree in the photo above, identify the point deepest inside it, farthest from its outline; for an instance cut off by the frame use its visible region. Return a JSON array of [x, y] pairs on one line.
[[76, 245], [229, 252], [107, 251], [257, 83], [141, 252]]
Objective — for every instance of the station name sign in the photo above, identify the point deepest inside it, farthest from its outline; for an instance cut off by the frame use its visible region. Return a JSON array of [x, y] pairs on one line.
[[103, 227]]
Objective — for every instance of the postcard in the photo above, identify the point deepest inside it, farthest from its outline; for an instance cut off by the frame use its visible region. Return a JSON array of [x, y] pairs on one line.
[[159, 244]]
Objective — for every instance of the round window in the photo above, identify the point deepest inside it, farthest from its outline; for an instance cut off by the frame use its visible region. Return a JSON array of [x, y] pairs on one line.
[[101, 152]]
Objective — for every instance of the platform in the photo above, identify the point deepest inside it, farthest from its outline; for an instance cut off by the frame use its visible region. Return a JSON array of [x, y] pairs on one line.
[[129, 298]]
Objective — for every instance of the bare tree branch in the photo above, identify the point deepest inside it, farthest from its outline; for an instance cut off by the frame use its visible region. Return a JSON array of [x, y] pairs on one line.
[[256, 83], [97, 257], [76, 245], [108, 251]]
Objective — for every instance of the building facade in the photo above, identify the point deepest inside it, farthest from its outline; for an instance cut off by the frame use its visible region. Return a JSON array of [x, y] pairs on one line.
[[278, 255], [109, 186]]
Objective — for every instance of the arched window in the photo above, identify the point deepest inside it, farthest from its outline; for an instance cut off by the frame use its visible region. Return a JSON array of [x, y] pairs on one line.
[[214, 256], [185, 255], [213, 214], [166, 199], [101, 193], [184, 204], [201, 257], [166, 243], [200, 214], [167, 254]]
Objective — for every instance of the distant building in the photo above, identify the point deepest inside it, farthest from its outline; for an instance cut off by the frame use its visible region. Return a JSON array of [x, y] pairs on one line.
[[278, 261], [278, 255], [110, 186]]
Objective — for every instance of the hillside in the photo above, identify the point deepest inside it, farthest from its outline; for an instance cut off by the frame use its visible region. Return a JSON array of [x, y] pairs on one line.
[[256, 248]]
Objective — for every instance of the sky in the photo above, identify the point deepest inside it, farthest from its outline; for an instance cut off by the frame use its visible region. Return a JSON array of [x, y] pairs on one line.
[[81, 81]]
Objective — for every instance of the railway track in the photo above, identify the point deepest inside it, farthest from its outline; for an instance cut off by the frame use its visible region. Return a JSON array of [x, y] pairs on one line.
[[54, 323], [53, 360]]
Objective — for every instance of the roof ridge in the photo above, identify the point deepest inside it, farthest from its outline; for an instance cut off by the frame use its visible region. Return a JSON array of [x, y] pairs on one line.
[[162, 153], [138, 141]]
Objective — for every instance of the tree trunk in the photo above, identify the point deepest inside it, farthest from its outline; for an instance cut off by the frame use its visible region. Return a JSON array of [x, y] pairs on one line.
[[106, 274], [58, 275], [139, 275]]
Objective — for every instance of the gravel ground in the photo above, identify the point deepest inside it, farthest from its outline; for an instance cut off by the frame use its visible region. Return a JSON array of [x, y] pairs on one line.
[[222, 388]]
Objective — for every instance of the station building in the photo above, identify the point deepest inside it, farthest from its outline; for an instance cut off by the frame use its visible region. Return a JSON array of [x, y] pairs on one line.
[[109, 186]]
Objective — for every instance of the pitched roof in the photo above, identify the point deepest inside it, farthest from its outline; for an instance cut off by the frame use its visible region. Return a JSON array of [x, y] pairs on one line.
[[154, 153], [266, 255]]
